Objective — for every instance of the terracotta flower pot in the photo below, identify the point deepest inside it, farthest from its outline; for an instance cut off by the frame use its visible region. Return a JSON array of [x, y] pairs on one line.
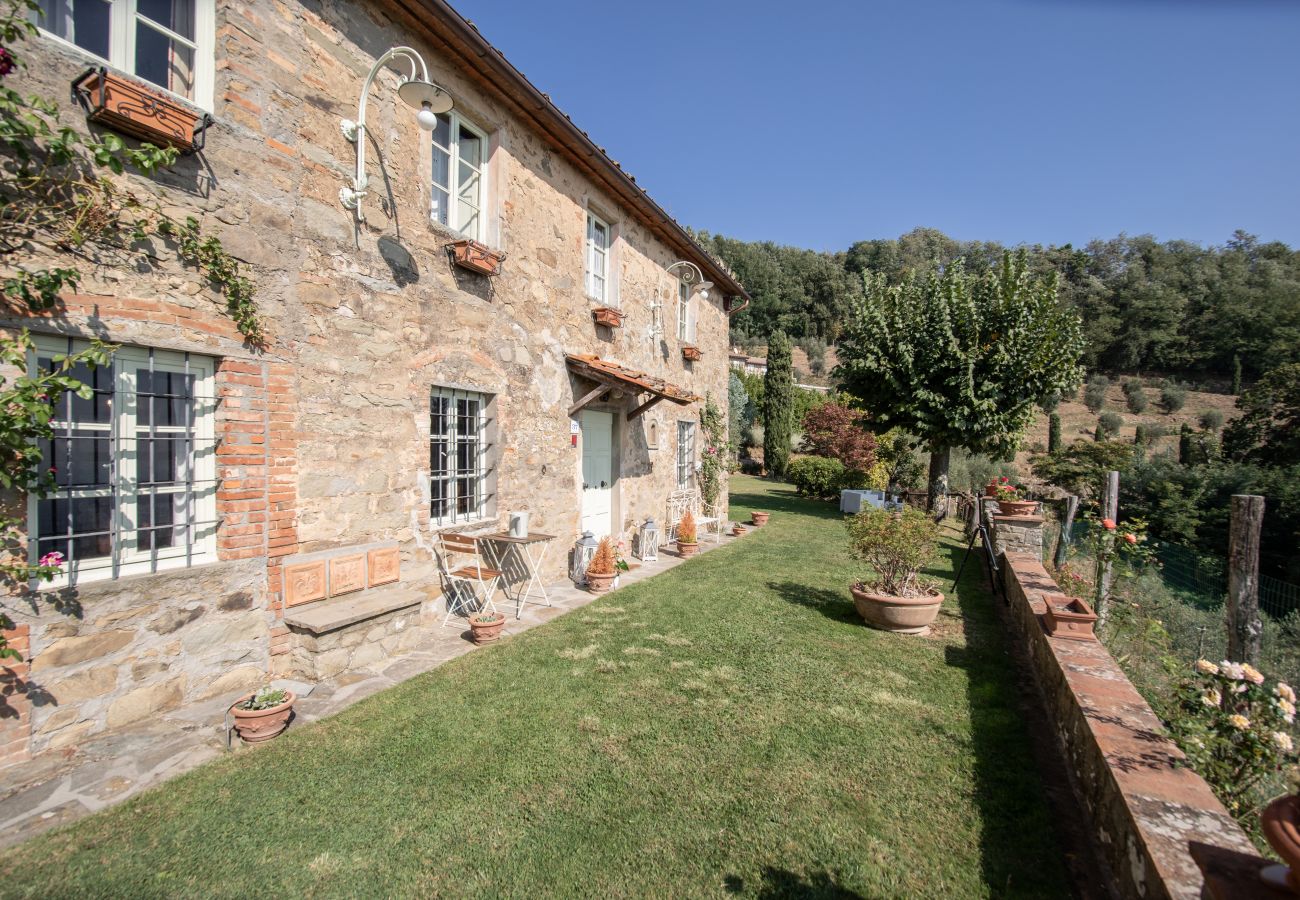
[[901, 615], [1069, 617], [608, 316], [132, 108], [991, 489], [485, 632], [1018, 507], [477, 257], [737, 530], [692, 353], [759, 518], [599, 584], [257, 725], [687, 549], [1280, 823]]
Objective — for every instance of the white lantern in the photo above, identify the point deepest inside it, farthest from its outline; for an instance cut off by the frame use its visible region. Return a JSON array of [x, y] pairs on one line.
[[647, 545], [584, 548]]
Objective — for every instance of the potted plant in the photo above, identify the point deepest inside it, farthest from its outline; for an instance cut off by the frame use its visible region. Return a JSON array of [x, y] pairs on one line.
[[485, 627], [263, 714], [687, 544], [1010, 501], [898, 545], [1069, 617], [603, 568], [738, 529], [759, 518]]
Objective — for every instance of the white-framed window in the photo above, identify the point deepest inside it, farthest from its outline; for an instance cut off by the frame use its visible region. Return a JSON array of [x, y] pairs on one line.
[[461, 458], [684, 330], [460, 154], [135, 467], [597, 258], [169, 43], [685, 455]]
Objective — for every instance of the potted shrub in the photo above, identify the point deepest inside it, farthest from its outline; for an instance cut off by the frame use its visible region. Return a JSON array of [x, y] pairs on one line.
[[898, 545], [1010, 499], [603, 568], [759, 518], [263, 714], [687, 544], [485, 627]]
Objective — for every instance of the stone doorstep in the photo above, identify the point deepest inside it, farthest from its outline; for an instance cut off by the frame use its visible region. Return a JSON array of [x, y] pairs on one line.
[[338, 612]]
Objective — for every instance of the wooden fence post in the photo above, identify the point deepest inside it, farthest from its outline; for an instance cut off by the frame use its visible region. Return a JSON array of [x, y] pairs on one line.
[[1067, 527], [1244, 627]]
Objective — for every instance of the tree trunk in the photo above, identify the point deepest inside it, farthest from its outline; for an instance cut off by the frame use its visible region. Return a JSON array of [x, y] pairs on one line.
[[1244, 626], [937, 498]]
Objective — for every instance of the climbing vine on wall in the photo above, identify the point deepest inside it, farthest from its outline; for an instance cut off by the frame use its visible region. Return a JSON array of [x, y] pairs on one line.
[[716, 451]]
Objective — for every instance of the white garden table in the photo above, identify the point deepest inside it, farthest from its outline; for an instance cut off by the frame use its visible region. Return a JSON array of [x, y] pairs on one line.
[[520, 561]]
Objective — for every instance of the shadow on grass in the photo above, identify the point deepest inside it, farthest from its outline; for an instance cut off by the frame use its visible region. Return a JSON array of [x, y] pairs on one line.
[[784, 499], [775, 883], [836, 605], [1015, 825]]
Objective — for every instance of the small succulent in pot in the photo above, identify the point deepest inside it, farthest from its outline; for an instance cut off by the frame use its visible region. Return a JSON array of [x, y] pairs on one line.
[[687, 539], [263, 714], [485, 626]]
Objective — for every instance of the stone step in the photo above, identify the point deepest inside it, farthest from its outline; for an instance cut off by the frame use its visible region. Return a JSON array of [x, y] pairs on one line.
[[329, 615]]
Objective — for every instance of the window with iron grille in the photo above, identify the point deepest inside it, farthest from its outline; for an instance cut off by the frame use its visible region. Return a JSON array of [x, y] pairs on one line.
[[134, 465], [460, 456], [685, 455]]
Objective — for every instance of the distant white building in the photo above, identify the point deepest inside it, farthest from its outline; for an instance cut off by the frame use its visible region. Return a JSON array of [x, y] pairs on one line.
[[743, 362]]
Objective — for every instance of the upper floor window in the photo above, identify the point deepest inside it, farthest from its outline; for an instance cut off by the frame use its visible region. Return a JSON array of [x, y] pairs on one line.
[[461, 459], [597, 258], [133, 463], [459, 175], [684, 330], [166, 42]]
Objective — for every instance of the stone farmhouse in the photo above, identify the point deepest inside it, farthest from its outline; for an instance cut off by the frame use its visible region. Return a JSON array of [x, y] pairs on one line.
[[212, 493]]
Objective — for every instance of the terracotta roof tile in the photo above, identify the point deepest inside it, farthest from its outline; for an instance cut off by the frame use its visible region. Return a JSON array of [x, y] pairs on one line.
[[592, 366]]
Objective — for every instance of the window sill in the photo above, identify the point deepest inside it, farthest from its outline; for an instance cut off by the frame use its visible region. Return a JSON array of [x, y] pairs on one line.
[[104, 577], [463, 526]]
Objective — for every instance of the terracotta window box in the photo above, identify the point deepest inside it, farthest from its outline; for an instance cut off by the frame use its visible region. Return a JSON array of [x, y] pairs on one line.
[[477, 257], [1069, 617], [608, 316], [692, 353], [146, 113]]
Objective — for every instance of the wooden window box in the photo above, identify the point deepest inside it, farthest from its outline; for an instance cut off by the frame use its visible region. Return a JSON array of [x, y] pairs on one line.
[[1069, 617], [692, 353], [477, 257], [608, 316], [131, 108]]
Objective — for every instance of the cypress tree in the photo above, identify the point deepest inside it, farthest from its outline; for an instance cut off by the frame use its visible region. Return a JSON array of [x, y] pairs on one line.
[[1140, 436], [778, 404], [1185, 445], [1053, 432], [1236, 373], [1099, 435]]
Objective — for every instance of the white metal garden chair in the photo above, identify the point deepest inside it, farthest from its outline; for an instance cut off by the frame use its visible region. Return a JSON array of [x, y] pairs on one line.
[[468, 584]]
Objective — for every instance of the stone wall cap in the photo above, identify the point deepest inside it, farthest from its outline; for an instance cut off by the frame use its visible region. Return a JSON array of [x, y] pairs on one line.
[[1018, 520], [331, 615]]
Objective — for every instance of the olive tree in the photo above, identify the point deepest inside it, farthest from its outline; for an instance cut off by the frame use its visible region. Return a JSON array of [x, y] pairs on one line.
[[960, 359]]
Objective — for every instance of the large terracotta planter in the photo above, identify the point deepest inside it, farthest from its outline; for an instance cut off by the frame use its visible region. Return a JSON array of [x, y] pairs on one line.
[[600, 584], [991, 489], [142, 112], [901, 615], [256, 725], [1280, 823], [687, 549], [486, 632], [1017, 507], [759, 518]]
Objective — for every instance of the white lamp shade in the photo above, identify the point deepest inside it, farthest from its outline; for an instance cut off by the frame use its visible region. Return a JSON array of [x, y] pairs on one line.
[[424, 95]]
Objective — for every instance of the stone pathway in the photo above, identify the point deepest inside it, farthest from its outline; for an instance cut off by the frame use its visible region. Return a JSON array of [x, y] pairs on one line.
[[61, 786]]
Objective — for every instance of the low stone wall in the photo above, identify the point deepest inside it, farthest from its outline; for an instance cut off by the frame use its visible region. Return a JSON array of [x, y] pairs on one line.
[[1145, 809]]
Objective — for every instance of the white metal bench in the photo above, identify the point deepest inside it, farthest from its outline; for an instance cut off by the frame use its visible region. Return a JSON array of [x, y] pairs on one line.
[[706, 517]]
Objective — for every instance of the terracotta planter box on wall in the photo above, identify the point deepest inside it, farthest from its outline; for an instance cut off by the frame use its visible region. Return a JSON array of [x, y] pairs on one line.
[[142, 112], [1069, 617], [608, 316], [477, 257], [692, 353]]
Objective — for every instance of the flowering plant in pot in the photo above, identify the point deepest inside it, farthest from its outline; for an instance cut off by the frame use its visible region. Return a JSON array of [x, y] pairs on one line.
[[263, 714], [897, 544], [1011, 500], [603, 568], [1235, 729], [485, 626], [687, 540]]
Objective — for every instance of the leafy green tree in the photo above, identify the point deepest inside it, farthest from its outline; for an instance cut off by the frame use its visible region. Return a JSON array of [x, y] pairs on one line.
[[1094, 395], [1268, 430], [960, 359], [739, 412], [1211, 420], [1110, 423], [1081, 468], [1236, 374], [778, 405], [1173, 396], [1135, 396]]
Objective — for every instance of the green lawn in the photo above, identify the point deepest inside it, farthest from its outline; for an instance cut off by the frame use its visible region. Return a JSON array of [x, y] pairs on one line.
[[729, 727]]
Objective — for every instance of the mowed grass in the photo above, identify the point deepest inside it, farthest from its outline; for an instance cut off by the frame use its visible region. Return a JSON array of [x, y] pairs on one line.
[[727, 728]]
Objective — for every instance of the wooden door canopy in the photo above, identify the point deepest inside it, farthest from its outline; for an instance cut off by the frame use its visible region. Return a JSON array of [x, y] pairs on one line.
[[614, 376]]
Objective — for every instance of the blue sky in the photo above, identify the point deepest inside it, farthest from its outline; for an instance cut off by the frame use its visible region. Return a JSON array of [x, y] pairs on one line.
[[819, 123]]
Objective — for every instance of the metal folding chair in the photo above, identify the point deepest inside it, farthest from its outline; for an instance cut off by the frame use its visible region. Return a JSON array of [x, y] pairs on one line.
[[468, 584]]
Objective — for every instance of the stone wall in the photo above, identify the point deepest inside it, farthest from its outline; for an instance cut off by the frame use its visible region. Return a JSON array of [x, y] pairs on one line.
[[325, 431], [1146, 810]]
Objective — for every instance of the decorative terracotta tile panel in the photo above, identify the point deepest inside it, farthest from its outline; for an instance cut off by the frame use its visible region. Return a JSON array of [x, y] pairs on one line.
[[304, 583], [347, 574], [385, 565]]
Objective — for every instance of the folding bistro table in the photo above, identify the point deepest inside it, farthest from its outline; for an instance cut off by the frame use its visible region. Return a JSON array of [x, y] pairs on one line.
[[515, 559]]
